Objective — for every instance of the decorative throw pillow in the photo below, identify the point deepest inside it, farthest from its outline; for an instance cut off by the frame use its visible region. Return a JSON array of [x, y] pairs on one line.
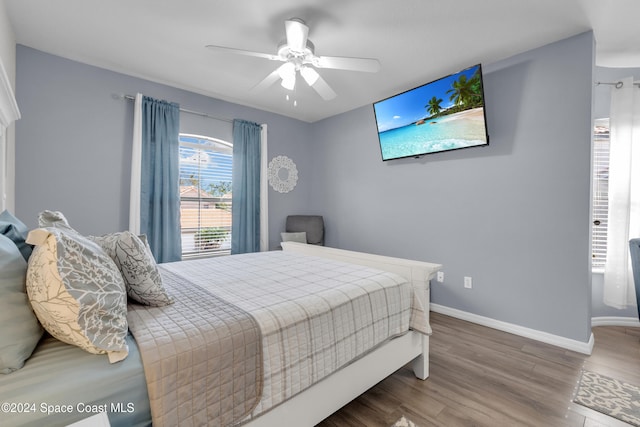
[[77, 292], [14, 229], [19, 328], [137, 266], [300, 237]]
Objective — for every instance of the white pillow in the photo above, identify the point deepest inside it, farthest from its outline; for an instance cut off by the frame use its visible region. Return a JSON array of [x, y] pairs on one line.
[[137, 266], [77, 292], [300, 237]]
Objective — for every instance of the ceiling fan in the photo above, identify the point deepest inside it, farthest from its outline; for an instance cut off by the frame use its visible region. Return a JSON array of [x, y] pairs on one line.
[[298, 54]]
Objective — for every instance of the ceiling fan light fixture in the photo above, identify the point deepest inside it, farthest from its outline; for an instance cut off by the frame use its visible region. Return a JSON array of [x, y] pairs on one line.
[[287, 71], [310, 75], [289, 83]]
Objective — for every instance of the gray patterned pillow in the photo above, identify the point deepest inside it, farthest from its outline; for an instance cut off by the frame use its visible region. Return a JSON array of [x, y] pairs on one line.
[[138, 267], [77, 292]]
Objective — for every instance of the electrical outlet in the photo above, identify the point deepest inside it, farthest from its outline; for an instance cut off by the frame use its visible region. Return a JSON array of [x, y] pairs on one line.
[[440, 276], [468, 283]]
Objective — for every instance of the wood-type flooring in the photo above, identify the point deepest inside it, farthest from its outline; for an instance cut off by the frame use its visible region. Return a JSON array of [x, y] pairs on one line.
[[484, 377]]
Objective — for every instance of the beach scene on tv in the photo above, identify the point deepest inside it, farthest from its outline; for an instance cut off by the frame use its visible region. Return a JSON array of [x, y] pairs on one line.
[[443, 115]]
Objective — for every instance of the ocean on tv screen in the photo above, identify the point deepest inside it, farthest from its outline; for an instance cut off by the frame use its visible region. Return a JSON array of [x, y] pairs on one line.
[[458, 130]]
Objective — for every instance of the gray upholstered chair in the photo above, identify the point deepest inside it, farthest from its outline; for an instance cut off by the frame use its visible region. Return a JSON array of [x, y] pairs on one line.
[[313, 225]]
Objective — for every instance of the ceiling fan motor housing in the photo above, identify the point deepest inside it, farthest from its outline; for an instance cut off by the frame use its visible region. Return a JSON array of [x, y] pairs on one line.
[[286, 53]]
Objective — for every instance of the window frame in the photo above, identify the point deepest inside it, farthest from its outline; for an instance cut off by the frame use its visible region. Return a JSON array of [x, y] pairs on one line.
[[218, 146]]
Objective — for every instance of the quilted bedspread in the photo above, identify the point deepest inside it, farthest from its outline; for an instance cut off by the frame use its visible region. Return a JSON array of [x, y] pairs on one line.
[[202, 357], [316, 315]]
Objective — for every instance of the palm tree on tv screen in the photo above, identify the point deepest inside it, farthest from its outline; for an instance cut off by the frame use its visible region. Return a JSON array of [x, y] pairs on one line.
[[460, 90], [433, 107], [466, 92]]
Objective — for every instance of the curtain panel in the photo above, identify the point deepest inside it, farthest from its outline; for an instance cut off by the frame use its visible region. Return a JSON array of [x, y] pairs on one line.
[[624, 194], [245, 233], [136, 167], [156, 145], [264, 190]]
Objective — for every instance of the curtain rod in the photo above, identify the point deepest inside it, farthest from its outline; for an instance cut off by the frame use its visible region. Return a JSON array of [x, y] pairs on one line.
[[618, 85], [184, 110]]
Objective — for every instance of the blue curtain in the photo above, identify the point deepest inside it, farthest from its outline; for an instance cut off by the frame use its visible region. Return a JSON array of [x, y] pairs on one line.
[[159, 186], [245, 214]]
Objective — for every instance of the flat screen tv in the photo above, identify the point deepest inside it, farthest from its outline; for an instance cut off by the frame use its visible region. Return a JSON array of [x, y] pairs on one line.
[[446, 114]]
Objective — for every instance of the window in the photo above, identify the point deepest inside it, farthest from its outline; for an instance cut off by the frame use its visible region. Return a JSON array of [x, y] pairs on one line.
[[600, 202], [205, 195]]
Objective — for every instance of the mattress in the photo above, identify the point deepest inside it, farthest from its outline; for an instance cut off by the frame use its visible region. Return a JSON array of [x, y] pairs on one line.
[[316, 315], [61, 384]]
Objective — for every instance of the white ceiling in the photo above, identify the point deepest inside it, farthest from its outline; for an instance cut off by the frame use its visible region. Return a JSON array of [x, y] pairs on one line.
[[415, 41]]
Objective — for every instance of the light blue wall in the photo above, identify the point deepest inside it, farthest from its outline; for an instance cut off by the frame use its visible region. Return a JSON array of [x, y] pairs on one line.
[[73, 153], [514, 215]]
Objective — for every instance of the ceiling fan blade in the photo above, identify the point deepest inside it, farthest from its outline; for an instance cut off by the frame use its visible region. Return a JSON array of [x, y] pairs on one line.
[[297, 32], [368, 65], [268, 81], [323, 89], [222, 49]]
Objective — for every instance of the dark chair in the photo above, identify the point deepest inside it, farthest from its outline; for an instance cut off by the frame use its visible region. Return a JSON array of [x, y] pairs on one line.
[[634, 247], [313, 225]]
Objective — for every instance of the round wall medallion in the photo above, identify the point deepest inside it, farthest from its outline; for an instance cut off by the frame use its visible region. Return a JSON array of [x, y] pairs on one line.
[[283, 174]]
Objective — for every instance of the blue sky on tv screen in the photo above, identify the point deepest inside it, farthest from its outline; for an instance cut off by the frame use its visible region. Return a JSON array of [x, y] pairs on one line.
[[409, 107]]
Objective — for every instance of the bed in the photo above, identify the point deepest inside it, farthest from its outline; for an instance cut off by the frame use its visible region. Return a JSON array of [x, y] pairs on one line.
[[299, 379]]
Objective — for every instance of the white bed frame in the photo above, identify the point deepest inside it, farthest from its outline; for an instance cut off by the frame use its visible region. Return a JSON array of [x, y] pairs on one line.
[[332, 393]]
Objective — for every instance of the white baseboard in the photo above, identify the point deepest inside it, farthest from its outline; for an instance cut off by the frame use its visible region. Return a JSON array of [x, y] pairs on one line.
[[629, 322], [558, 341]]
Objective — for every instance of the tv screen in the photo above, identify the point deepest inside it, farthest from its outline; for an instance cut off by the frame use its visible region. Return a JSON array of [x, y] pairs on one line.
[[446, 114]]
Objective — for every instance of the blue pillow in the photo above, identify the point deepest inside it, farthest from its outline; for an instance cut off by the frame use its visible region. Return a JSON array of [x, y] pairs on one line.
[[15, 230], [20, 330]]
